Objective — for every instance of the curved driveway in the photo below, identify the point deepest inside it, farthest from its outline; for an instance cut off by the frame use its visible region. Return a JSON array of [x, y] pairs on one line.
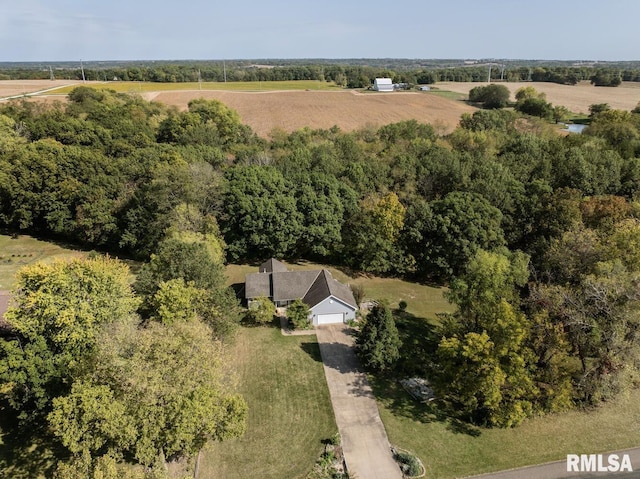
[[364, 440]]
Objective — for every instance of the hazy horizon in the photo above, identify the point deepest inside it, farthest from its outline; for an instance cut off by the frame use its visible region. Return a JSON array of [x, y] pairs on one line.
[[33, 31]]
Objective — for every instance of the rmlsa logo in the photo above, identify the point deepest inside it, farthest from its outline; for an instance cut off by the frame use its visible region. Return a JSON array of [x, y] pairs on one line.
[[598, 463]]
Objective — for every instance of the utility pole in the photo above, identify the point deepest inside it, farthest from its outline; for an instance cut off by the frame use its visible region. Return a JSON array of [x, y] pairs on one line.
[[489, 79], [224, 69], [199, 79], [51, 77], [82, 69], [502, 73]]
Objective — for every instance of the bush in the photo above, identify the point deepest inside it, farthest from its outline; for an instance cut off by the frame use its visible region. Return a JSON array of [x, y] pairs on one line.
[[261, 311], [408, 463], [402, 305], [298, 314]]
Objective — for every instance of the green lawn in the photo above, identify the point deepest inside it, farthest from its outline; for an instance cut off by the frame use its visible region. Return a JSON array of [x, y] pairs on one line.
[[24, 250], [449, 449], [450, 95], [290, 412], [138, 87]]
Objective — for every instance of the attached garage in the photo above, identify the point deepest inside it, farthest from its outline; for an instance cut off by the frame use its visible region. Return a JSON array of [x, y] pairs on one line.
[[331, 318]]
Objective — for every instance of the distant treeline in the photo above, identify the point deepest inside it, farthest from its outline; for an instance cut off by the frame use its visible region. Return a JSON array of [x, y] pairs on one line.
[[351, 76]]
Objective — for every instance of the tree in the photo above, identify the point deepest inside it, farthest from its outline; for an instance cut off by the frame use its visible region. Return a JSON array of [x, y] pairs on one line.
[[298, 314], [536, 107], [459, 225], [261, 218], [378, 343], [261, 310], [491, 96], [156, 392], [484, 368], [60, 310], [606, 77], [372, 234]]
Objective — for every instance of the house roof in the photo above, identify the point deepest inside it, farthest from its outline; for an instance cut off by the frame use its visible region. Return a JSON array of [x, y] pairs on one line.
[[257, 284], [290, 285], [325, 286], [383, 81], [272, 265], [276, 282]]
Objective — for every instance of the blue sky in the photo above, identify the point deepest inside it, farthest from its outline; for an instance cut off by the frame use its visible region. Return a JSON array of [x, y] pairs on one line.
[[44, 30]]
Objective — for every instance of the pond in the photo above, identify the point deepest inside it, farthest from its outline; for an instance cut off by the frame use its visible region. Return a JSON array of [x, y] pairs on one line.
[[575, 128]]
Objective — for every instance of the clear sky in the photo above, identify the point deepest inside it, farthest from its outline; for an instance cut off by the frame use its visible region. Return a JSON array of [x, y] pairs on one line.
[[50, 30]]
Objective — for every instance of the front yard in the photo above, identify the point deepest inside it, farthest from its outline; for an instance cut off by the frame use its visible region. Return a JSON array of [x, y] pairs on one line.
[[290, 413]]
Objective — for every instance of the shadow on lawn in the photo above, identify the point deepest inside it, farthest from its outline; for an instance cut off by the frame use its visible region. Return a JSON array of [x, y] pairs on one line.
[[25, 453], [420, 340]]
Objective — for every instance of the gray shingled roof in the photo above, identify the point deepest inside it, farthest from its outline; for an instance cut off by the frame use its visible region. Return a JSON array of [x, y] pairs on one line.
[[276, 282], [272, 265], [257, 284], [325, 286], [292, 285]]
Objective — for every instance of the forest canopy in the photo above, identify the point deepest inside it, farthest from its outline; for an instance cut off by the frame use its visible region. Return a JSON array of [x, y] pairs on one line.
[[554, 219]]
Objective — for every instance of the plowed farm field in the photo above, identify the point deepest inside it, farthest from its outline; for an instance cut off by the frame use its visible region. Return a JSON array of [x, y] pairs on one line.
[[577, 98], [10, 88], [349, 110]]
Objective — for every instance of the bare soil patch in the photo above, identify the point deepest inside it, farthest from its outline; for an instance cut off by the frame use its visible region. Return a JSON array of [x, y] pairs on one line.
[[349, 110], [577, 98]]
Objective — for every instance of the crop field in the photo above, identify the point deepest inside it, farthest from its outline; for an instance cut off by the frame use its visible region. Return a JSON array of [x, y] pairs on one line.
[[10, 88], [348, 109], [576, 98], [144, 87], [288, 105]]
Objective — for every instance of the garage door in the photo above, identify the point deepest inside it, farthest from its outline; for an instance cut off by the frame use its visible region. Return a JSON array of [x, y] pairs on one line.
[[330, 318]]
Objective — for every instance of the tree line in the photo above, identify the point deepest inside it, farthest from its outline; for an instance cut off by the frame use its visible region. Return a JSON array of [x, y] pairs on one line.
[[535, 233], [347, 75]]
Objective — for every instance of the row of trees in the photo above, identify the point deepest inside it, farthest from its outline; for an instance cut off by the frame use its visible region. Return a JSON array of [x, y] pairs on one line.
[[351, 76]]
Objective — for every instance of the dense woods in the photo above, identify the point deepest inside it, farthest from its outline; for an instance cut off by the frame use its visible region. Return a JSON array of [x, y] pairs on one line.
[[537, 235]]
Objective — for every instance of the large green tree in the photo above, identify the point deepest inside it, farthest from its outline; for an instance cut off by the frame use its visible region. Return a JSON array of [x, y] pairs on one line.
[[378, 343], [59, 312], [157, 392], [261, 218], [459, 225]]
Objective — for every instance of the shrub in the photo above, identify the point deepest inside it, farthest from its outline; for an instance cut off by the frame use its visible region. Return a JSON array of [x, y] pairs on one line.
[[298, 314], [402, 305], [408, 463]]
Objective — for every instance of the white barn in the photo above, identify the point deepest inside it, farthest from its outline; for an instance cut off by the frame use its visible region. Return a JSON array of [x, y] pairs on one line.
[[383, 84]]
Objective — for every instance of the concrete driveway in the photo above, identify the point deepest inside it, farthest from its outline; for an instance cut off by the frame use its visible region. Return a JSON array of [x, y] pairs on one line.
[[364, 440]]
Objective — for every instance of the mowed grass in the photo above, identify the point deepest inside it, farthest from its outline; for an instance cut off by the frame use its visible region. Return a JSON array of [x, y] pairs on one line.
[[23, 250], [140, 87], [290, 413], [450, 450]]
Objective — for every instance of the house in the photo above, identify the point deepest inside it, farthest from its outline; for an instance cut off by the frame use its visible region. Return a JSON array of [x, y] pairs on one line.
[[383, 84], [329, 300]]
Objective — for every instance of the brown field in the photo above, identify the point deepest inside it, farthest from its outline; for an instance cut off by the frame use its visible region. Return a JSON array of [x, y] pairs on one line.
[[20, 87], [576, 98], [349, 110]]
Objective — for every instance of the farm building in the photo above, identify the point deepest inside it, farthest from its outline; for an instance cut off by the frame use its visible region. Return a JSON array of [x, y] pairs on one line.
[[383, 84], [329, 300]]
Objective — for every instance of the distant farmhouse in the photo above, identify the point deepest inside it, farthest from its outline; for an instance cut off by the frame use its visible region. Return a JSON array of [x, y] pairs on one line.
[[383, 84], [329, 301]]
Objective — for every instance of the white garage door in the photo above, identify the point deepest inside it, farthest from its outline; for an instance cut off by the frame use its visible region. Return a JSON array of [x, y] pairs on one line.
[[330, 318]]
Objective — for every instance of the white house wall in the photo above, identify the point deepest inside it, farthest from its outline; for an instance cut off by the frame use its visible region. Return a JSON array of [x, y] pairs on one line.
[[331, 305]]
